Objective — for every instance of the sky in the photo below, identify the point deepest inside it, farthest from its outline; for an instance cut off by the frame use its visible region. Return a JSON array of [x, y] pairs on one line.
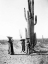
[[13, 22]]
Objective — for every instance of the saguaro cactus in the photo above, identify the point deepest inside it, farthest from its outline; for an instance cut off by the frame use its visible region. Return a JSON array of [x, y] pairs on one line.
[[30, 21]]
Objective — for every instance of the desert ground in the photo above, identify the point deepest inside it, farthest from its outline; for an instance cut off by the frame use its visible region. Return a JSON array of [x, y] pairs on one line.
[[6, 58]]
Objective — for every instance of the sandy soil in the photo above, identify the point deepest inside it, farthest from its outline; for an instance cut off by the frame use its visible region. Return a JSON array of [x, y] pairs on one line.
[[6, 58]]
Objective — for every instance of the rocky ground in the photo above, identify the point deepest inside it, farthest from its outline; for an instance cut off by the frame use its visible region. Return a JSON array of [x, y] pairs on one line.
[[6, 58]]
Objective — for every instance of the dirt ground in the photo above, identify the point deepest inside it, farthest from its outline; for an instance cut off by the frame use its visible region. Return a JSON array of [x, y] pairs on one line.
[[6, 58]]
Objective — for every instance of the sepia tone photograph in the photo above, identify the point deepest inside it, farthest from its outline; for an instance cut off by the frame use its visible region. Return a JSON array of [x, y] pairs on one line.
[[23, 31]]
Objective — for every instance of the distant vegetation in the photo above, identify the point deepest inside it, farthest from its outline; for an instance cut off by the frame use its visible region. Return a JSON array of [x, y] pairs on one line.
[[43, 41], [3, 41], [6, 42]]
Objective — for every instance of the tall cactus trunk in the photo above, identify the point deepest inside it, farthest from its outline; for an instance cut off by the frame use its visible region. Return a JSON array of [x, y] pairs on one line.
[[31, 32], [31, 20], [30, 23]]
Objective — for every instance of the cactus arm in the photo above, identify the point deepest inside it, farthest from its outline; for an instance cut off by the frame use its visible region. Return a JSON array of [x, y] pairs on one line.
[[35, 20], [28, 15], [25, 14]]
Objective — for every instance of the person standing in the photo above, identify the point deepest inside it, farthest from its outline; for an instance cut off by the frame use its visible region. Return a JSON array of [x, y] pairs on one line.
[[11, 51], [23, 44], [28, 45]]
